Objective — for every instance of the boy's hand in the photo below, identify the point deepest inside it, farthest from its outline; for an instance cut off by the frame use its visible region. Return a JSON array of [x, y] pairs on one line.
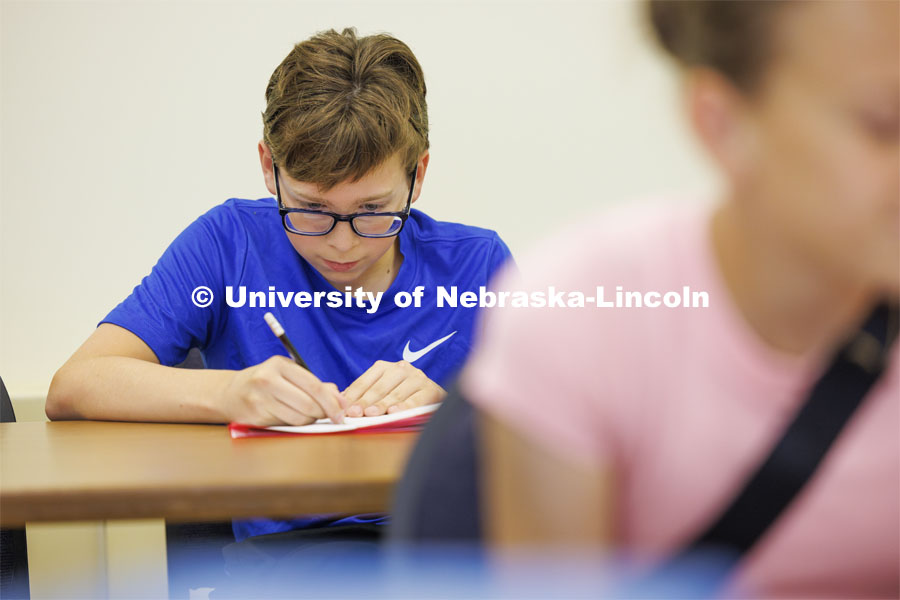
[[390, 387], [280, 392]]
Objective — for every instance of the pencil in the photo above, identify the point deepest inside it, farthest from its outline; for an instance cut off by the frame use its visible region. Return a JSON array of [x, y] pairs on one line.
[[278, 330]]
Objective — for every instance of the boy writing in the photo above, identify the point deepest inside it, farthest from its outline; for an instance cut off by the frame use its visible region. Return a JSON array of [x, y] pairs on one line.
[[344, 153]]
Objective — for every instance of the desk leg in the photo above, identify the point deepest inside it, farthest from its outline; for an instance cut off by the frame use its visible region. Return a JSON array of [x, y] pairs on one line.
[[136, 559], [97, 559]]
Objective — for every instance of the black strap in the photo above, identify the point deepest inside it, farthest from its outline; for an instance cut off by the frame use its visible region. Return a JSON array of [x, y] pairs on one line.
[[833, 400], [791, 464]]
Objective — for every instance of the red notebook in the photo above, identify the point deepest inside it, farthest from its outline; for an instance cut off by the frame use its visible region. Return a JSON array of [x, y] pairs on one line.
[[406, 420]]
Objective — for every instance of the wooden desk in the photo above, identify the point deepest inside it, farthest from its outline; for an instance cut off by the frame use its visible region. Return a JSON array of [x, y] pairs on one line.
[[89, 471]]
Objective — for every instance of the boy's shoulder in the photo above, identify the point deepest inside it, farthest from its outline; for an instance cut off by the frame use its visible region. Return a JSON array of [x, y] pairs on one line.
[[429, 229], [239, 218], [240, 209]]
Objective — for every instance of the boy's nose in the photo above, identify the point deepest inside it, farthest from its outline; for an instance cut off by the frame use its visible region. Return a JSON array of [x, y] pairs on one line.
[[342, 237]]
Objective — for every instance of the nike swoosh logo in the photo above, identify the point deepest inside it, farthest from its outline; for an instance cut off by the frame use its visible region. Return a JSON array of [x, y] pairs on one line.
[[412, 357]]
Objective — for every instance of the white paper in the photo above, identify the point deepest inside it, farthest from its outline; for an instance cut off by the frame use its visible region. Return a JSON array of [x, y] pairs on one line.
[[352, 423]]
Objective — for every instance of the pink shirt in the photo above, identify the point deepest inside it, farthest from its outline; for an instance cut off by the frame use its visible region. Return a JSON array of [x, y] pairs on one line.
[[683, 403]]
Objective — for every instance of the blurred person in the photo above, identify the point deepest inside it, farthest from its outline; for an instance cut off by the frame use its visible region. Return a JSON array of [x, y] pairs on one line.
[[632, 429]]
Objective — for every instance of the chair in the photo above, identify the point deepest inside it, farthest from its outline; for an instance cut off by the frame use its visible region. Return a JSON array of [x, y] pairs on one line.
[[13, 546], [437, 498]]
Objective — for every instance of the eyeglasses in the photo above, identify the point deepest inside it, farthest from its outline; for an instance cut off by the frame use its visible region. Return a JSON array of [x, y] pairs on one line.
[[302, 221]]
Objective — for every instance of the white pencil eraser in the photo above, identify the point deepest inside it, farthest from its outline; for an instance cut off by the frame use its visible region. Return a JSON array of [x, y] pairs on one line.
[[274, 325]]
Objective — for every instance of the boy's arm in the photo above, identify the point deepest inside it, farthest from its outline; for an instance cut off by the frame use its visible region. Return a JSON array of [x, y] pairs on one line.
[[114, 375]]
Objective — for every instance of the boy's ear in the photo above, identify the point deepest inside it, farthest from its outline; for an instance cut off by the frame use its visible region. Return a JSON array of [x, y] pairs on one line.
[[420, 174], [265, 161], [719, 115]]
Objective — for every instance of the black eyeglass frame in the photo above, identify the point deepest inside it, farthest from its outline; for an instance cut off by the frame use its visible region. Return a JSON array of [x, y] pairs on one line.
[[335, 217]]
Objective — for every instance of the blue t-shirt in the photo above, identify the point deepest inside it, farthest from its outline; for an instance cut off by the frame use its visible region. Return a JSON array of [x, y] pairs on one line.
[[241, 243]]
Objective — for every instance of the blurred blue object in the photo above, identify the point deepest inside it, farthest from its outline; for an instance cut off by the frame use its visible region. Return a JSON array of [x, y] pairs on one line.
[[369, 570]]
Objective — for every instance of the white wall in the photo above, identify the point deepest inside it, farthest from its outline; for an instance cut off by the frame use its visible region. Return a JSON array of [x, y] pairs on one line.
[[123, 121]]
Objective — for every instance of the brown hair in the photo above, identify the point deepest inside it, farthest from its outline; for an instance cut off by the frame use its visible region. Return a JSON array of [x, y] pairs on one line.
[[339, 105], [733, 37]]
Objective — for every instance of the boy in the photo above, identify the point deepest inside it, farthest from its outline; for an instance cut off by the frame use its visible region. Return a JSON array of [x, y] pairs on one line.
[[344, 153]]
